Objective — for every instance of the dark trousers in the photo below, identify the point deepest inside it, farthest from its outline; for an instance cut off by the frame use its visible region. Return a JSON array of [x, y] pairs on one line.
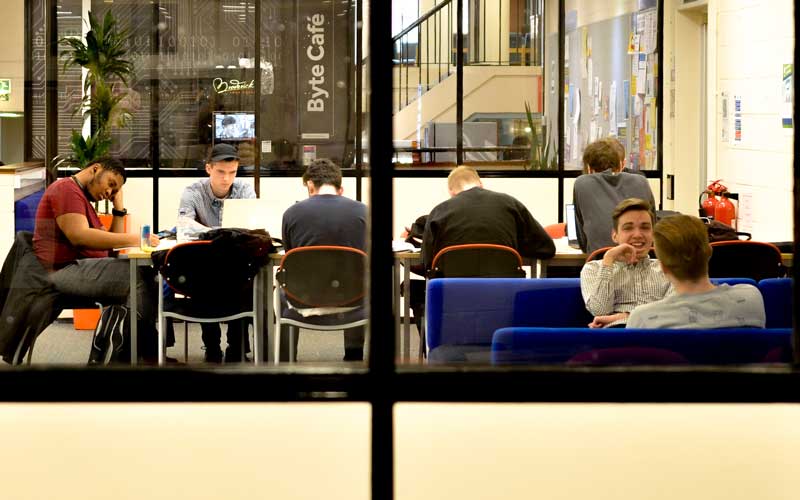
[[236, 332]]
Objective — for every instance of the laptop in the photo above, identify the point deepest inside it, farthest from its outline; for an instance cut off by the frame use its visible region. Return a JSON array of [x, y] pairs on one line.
[[572, 227], [254, 213]]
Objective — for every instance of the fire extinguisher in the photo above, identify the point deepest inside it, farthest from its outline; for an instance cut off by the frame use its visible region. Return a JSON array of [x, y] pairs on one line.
[[708, 206], [721, 209], [725, 212]]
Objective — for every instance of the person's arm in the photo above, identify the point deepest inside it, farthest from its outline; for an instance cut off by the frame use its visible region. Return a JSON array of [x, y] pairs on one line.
[[533, 239], [248, 192], [635, 319], [76, 228], [579, 222], [189, 199], [428, 242], [118, 221], [596, 288]]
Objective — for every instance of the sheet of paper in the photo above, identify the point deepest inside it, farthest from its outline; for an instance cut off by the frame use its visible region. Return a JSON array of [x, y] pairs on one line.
[[612, 108]]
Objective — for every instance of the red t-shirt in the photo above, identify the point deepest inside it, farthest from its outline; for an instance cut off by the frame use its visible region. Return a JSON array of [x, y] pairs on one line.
[[50, 244]]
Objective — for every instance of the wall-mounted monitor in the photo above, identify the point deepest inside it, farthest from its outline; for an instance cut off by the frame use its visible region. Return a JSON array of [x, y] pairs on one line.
[[234, 126]]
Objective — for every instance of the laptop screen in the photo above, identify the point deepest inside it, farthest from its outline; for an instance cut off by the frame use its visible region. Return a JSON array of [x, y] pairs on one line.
[[572, 228]]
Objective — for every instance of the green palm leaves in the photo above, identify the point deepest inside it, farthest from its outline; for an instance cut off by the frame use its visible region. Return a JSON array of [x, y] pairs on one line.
[[102, 54], [541, 157]]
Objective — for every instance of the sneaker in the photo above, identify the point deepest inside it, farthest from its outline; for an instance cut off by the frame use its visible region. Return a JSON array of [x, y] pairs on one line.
[[234, 355]]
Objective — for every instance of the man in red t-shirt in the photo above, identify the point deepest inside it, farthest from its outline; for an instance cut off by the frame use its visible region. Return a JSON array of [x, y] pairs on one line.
[[73, 245]]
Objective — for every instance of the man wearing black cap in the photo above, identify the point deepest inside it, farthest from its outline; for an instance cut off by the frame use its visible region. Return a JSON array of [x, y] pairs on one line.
[[200, 210]]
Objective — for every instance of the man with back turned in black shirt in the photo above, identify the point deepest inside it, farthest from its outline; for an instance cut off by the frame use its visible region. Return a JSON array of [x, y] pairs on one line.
[[476, 215]]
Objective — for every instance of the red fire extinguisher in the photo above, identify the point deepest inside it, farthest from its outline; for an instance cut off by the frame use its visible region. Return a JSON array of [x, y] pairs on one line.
[[708, 206], [721, 209], [725, 212]]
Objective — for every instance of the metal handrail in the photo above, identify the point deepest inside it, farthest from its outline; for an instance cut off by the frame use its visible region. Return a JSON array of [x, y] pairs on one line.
[[424, 17]]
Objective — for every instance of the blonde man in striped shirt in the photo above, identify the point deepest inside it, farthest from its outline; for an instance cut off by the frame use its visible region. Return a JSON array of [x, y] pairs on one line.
[[626, 276]]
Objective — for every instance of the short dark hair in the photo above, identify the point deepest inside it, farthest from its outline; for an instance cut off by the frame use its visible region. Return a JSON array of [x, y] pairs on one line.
[[111, 165], [630, 204], [601, 156], [323, 171]]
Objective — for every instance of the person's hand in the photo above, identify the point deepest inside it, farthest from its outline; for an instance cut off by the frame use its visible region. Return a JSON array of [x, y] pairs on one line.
[[605, 320], [154, 240], [623, 252], [405, 233], [117, 200]]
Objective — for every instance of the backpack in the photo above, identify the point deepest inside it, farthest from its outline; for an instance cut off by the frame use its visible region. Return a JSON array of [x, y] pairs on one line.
[[111, 332], [719, 231]]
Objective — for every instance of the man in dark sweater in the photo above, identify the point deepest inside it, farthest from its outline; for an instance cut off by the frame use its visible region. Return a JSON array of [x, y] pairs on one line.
[[327, 218], [476, 215]]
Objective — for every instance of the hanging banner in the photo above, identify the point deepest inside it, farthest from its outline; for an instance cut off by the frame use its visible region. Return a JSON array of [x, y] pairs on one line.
[[315, 75]]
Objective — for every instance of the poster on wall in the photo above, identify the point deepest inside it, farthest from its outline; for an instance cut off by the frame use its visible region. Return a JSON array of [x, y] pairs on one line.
[[5, 89], [787, 98]]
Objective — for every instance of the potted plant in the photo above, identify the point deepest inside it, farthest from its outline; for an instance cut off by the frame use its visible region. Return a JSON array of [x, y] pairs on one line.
[[102, 55], [542, 155]]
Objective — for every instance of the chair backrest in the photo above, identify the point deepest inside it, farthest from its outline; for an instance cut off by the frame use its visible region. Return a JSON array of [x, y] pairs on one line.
[[477, 260], [206, 272], [777, 294], [752, 259], [718, 346], [556, 231], [462, 311], [323, 276]]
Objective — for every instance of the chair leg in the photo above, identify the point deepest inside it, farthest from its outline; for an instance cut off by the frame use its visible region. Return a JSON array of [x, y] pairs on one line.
[[422, 340], [293, 331], [186, 342]]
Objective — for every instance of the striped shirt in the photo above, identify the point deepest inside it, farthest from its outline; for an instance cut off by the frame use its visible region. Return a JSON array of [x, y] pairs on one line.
[[621, 287], [204, 209]]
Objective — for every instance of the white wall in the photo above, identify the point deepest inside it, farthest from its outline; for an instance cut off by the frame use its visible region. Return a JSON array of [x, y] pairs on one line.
[[754, 39]]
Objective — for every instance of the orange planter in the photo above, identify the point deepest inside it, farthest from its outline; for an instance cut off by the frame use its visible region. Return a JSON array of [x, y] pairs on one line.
[[86, 319]]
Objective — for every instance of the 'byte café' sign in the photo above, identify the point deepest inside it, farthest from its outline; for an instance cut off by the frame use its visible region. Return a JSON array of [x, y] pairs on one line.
[[316, 73]]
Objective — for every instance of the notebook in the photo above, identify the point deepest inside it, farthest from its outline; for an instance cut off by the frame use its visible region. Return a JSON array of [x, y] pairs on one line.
[[255, 213], [572, 228]]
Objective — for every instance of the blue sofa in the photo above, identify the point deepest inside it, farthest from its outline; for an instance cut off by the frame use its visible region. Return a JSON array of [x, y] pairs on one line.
[[525, 345]]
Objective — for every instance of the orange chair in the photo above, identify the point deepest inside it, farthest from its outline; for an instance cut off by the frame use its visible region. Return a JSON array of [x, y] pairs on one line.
[[556, 231]]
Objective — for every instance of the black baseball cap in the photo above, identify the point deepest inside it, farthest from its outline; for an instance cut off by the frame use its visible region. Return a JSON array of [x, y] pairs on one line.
[[223, 152]]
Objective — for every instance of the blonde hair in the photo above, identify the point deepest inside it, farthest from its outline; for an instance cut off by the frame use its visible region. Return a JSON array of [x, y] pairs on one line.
[[462, 177], [682, 246]]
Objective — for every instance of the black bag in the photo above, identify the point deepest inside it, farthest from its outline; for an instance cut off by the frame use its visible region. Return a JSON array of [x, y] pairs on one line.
[[109, 336], [719, 231]]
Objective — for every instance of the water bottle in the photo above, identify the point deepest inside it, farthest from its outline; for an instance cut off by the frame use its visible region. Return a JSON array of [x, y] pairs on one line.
[[182, 226]]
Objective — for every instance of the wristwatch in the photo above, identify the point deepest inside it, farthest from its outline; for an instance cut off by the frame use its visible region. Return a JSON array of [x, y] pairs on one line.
[[119, 213]]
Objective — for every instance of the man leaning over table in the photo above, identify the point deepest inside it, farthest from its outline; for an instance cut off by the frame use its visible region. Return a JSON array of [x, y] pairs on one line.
[[73, 246], [626, 276], [202, 204]]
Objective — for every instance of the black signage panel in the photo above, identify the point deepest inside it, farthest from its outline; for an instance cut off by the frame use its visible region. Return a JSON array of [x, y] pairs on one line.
[[316, 74]]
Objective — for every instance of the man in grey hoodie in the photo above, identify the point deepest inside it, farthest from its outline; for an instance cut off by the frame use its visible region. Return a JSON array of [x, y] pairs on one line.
[[596, 193]]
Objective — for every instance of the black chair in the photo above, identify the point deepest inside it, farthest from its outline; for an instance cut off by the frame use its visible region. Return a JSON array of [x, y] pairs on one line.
[[747, 259], [45, 302], [316, 277], [477, 260], [211, 286]]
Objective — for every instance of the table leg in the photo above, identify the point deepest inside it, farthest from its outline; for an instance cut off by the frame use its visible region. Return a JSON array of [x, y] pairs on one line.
[[406, 312], [258, 321], [162, 325], [542, 267], [269, 299], [133, 299], [396, 287]]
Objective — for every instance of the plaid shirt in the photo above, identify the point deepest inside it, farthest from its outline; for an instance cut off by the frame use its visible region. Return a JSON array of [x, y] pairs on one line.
[[622, 287]]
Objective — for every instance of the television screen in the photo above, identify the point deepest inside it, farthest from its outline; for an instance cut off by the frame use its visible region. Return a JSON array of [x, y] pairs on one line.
[[233, 126]]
